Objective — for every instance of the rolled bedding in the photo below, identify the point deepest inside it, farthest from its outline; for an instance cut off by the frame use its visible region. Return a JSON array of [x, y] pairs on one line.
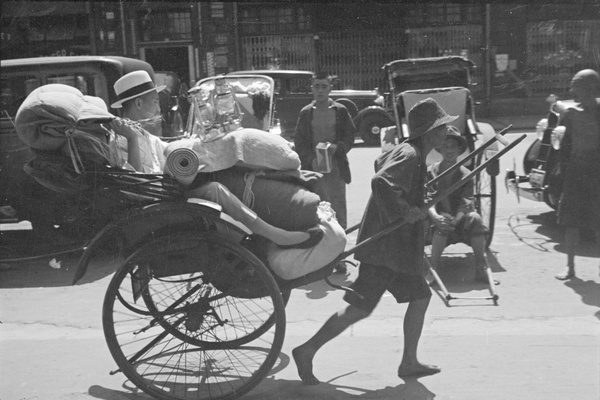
[[247, 147]]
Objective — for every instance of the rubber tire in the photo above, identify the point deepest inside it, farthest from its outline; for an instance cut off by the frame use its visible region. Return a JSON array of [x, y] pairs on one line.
[[368, 123], [114, 298]]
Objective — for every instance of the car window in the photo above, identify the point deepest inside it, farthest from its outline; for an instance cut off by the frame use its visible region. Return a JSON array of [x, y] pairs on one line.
[[300, 85], [14, 91], [17, 85], [85, 82]]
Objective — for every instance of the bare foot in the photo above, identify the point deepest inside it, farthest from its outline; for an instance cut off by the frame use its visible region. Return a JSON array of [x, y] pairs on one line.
[[303, 360], [418, 369]]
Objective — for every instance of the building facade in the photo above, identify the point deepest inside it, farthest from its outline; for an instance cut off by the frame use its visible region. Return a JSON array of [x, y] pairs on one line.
[[520, 50]]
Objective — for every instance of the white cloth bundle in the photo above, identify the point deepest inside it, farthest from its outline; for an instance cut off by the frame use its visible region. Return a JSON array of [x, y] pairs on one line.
[[244, 147], [294, 263]]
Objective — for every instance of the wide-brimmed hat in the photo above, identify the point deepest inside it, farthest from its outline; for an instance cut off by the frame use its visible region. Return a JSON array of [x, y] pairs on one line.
[[425, 116], [454, 133], [132, 85]]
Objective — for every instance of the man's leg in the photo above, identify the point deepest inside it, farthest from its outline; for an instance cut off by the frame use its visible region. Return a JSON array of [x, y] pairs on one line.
[[334, 326], [438, 244], [233, 206], [571, 239], [413, 326], [478, 243]]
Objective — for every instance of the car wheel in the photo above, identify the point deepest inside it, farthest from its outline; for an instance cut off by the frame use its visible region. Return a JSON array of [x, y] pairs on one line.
[[370, 128], [350, 106]]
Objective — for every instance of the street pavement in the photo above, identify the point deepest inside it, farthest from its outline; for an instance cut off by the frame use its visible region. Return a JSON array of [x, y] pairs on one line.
[[542, 340]]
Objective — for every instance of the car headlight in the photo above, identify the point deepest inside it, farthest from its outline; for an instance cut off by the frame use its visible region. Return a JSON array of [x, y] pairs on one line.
[[540, 127], [557, 136], [380, 101]]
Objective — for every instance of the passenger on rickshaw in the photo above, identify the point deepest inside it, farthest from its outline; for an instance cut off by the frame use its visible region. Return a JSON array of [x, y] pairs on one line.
[[454, 219], [139, 99]]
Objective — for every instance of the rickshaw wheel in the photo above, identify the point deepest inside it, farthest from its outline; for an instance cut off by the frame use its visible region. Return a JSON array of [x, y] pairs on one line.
[[485, 198], [176, 335]]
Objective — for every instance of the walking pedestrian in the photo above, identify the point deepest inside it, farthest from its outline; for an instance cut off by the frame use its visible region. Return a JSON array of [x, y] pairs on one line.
[[394, 262], [579, 206]]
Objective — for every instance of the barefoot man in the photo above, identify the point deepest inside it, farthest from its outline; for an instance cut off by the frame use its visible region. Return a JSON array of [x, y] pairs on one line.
[[393, 262]]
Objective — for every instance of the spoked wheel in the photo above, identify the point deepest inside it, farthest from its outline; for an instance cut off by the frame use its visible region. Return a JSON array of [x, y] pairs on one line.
[[194, 316], [485, 198]]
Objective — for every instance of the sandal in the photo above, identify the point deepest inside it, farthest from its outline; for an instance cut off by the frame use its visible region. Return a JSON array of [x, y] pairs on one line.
[[565, 275]]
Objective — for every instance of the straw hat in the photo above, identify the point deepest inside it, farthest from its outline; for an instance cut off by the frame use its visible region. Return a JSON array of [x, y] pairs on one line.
[[425, 116], [132, 85]]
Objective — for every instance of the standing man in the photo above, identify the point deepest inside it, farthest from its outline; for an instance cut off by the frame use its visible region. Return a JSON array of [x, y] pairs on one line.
[[325, 121], [579, 205], [393, 262], [138, 97]]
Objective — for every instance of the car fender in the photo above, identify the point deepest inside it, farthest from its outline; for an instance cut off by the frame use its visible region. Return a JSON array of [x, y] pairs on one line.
[[371, 110], [140, 225]]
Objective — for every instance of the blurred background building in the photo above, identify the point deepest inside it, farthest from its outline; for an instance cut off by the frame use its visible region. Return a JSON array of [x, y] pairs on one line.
[[522, 52]]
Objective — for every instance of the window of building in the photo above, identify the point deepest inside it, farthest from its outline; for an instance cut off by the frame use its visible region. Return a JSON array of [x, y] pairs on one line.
[[273, 20], [159, 25]]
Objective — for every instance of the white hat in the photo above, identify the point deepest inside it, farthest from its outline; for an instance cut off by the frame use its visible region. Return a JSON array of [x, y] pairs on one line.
[[132, 85]]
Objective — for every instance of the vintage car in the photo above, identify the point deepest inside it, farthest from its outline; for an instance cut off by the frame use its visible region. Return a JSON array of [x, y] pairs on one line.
[[293, 91], [542, 180], [21, 198]]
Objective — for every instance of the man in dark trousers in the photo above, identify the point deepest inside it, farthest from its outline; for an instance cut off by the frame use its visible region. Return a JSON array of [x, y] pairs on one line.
[[393, 262]]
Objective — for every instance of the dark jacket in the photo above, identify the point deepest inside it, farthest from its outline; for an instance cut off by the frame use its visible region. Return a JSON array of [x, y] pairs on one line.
[[398, 184], [345, 132]]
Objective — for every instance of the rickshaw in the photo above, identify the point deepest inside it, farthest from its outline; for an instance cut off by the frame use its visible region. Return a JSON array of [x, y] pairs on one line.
[[448, 81], [194, 311]]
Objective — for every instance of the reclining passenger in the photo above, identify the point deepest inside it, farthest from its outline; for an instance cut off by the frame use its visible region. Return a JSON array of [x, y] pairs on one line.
[[145, 153]]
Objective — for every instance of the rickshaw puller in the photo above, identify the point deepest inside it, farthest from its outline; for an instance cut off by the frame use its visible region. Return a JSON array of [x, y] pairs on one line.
[[393, 262]]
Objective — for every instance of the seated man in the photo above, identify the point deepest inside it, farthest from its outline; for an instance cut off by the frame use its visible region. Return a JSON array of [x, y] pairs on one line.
[[454, 219]]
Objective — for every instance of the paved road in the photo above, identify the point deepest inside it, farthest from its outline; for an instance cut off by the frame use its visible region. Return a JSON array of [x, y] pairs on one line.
[[541, 341]]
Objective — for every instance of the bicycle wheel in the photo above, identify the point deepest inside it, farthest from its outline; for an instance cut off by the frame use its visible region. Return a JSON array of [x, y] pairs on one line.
[[179, 330], [485, 198]]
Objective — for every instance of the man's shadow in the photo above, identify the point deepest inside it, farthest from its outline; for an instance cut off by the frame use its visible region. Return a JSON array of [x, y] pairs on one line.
[[588, 290], [552, 233]]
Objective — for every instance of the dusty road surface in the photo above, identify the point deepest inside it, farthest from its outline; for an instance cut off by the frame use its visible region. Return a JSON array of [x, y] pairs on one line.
[[542, 340]]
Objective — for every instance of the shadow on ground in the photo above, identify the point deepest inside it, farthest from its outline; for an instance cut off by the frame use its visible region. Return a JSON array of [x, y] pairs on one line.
[[588, 290], [53, 271]]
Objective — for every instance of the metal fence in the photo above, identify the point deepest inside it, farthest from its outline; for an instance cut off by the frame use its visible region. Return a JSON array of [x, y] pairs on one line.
[[555, 51]]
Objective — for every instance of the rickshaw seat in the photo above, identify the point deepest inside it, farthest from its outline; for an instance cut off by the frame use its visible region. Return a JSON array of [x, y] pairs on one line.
[[452, 99]]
